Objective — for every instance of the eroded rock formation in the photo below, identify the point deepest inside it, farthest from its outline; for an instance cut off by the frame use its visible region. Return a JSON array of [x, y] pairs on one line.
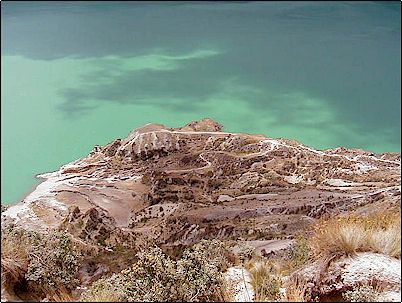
[[177, 186]]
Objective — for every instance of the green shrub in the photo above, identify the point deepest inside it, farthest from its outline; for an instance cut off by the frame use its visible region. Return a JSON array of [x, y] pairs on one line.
[[299, 254], [14, 253]]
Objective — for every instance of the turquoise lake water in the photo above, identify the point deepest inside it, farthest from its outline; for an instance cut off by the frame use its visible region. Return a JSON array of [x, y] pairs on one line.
[[76, 74]]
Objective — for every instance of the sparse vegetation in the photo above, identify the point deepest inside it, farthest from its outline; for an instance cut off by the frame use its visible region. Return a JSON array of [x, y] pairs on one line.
[[268, 284], [244, 152], [51, 261], [244, 251], [267, 273]]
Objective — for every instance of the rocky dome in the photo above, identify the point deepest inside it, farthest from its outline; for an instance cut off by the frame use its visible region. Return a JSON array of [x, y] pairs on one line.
[[206, 125]]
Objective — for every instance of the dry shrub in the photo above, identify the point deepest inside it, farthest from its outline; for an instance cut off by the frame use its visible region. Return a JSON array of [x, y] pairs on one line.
[[196, 276], [54, 261], [350, 234], [47, 262]]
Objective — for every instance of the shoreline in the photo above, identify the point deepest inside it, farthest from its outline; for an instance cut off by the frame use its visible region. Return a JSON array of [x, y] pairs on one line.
[[38, 179]]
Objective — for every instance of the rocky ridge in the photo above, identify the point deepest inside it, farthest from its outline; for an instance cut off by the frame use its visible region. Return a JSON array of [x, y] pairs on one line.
[[174, 187]]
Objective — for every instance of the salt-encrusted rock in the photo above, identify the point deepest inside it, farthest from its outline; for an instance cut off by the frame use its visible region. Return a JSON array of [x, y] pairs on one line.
[[225, 198], [390, 296], [365, 267], [239, 285], [348, 272]]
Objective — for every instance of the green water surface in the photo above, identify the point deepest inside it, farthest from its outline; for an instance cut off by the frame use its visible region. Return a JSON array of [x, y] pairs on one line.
[[76, 74]]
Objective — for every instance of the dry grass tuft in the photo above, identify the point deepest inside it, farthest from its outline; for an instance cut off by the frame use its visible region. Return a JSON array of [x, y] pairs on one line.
[[267, 283], [347, 235], [59, 294], [264, 279], [296, 291], [267, 274], [14, 259], [386, 241], [331, 239]]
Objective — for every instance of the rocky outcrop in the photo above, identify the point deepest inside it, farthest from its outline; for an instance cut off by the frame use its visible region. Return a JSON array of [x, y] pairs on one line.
[[206, 125], [96, 227], [380, 271]]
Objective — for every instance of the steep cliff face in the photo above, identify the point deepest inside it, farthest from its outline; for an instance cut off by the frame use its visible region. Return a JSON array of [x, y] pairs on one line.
[[177, 186]]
